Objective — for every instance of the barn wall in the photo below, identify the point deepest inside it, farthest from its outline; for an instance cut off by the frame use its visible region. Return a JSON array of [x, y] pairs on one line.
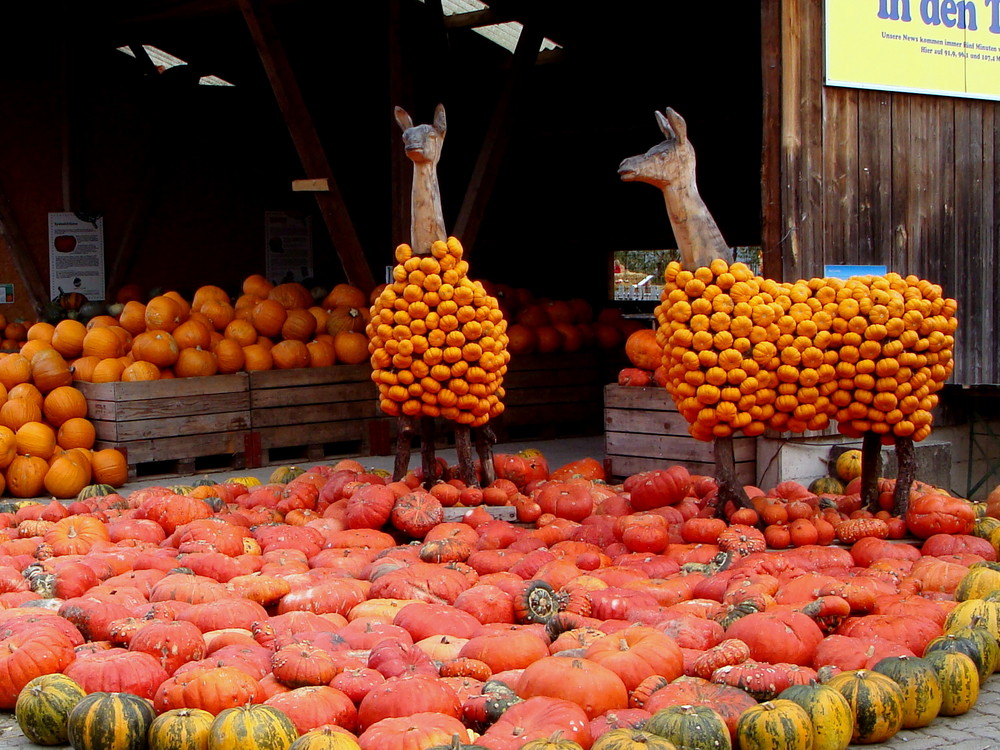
[[904, 180]]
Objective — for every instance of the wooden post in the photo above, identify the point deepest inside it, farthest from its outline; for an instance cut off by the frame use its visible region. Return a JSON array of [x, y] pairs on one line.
[[463, 447], [906, 472], [871, 469], [307, 142], [404, 445], [485, 440], [427, 458], [730, 489]]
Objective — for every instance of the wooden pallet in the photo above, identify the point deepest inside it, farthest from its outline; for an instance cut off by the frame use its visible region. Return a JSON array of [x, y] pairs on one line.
[[173, 426], [643, 430], [311, 413]]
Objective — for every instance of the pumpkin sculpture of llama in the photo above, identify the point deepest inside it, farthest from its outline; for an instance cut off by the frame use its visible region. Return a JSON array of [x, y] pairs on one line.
[[437, 340], [744, 354]]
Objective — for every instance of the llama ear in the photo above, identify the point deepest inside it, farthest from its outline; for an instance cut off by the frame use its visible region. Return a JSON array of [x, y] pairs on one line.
[[677, 124], [404, 120], [440, 121], [665, 128]]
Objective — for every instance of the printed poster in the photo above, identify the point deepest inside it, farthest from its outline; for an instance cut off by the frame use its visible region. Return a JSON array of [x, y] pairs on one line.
[[288, 251], [946, 47], [76, 255]]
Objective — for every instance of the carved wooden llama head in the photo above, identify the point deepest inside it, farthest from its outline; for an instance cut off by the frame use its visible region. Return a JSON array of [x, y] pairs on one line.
[[423, 142], [670, 162]]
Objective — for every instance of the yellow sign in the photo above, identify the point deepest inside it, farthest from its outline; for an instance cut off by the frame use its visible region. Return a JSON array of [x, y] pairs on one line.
[[947, 47]]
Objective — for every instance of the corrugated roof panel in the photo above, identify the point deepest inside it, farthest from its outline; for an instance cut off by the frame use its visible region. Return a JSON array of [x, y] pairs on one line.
[[164, 60], [507, 34]]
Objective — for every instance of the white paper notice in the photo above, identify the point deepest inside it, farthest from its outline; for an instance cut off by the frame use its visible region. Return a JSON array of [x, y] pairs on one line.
[[76, 255], [289, 251]]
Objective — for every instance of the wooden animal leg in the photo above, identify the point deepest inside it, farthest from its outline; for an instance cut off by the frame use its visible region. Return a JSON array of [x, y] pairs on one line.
[[406, 429], [485, 440], [730, 489], [871, 469], [906, 472], [428, 460]]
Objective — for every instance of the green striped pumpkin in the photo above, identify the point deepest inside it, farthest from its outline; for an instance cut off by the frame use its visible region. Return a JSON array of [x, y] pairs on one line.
[[693, 727], [631, 739], [180, 729], [110, 721], [329, 739], [95, 490], [989, 645], [829, 712], [43, 707], [982, 579], [959, 680], [985, 612], [253, 727], [921, 689], [877, 702], [971, 647], [775, 725]]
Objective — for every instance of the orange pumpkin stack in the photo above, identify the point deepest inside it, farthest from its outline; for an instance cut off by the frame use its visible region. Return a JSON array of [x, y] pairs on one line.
[[46, 439], [744, 353], [437, 340]]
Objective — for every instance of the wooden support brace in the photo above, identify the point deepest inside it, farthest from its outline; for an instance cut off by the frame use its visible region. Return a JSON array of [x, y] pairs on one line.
[[463, 448], [320, 185], [427, 458]]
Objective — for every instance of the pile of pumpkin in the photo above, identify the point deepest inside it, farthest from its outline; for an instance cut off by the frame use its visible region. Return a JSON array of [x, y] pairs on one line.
[[438, 341], [13, 333], [621, 614], [743, 353], [46, 440], [269, 326]]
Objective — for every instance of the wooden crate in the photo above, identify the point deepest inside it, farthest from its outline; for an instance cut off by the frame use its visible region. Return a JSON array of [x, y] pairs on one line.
[[555, 395], [311, 413], [643, 431], [170, 426]]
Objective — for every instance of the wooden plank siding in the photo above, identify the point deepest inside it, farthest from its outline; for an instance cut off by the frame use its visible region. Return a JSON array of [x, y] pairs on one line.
[[873, 177]]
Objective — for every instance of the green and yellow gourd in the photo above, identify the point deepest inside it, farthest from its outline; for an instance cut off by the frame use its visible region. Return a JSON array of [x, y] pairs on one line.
[[631, 739], [984, 612], [180, 729], [691, 727], [829, 712], [253, 727], [43, 707], [988, 644], [328, 739], [110, 721], [982, 578], [922, 694], [877, 703], [95, 490], [982, 652], [285, 474], [959, 680], [775, 725], [554, 742]]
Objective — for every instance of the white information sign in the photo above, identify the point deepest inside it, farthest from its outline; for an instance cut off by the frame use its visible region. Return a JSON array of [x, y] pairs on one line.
[[76, 255], [288, 251]]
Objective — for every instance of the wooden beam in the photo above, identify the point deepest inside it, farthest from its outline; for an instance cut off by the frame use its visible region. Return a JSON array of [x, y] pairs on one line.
[[322, 185], [24, 263], [400, 88], [307, 143], [494, 147], [770, 178]]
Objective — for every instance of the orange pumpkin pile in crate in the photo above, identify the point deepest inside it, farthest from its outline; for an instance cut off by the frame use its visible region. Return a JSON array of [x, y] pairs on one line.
[[269, 326], [438, 341], [46, 440]]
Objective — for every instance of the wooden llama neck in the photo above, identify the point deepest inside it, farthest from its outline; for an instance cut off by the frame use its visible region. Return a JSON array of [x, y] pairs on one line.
[[698, 236], [426, 216]]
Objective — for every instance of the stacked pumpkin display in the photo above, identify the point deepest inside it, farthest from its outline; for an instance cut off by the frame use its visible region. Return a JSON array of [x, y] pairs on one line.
[[744, 354], [269, 326], [438, 341], [610, 618], [46, 439]]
